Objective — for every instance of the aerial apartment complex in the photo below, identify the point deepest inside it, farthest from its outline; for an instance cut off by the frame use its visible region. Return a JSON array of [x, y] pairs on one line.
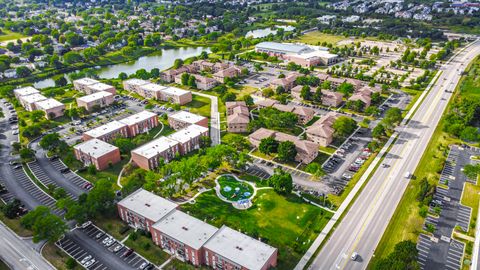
[[147, 89], [98, 153], [31, 99], [192, 240], [90, 86]]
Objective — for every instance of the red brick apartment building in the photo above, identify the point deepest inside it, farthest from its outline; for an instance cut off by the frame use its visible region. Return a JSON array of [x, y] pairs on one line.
[[98, 153], [183, 119]]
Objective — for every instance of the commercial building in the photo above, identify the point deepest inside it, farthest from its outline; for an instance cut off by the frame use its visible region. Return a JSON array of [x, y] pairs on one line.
[[51, 107], [300, 54], [133, 85], [28, 102], [183, 236], [142, 209], [176, 95], [140, 122], [321, 132], [149, 155], [96, 100], [307, 150], [189, 138], [107, 132], [238, 116], [183, 119], [181, 142], [25, 91], [98, 153], [230, 249]]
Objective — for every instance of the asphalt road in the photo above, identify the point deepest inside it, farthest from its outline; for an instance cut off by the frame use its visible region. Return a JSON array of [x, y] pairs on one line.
[[363, 225], [20, 254]]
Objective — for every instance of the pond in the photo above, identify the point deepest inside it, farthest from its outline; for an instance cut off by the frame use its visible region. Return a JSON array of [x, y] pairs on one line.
[[261, 33], [162, 60]]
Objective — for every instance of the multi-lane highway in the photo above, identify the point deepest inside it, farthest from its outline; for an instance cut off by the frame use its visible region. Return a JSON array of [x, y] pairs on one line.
[[363, 225]]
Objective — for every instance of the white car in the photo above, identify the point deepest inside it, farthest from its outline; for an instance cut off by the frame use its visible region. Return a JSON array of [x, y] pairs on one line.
[[106, 240], [89, 263], [354, 256], [143, 265], [407, 175], [109, 242], [86, 259], [15, 132]]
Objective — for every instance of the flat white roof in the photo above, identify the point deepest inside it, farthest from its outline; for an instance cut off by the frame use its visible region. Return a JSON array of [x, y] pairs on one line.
[[184, 135], [152, 87], [316, 53], [95, 96], [155, 147], [136, 82], [95, 148], [138, 117], [86, 81], [48, 104], [187, 117], [186, 229], [148, 205], [100, 86], [240, 248], [33, 98], [105, 129], [284, 47], [175, 91], [25, 91]]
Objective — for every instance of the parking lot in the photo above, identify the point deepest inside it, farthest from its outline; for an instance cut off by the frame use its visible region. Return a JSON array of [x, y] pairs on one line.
[[42, 176], [94, 244], [77, 180], [440, 251]]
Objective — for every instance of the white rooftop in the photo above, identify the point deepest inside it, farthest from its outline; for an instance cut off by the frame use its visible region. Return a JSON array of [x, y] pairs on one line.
[[136, 82], [240, 248], [95, 148], [25, 91], [138, 117], [48, 104], [282, 47], [316, 53], [95, 96], [148, 205], [187, 117], [184, 135], [86, 81], [153, 87], [186, 229], [175, 91], [155, 147], [105, 129], [100, 87], [33, 98]]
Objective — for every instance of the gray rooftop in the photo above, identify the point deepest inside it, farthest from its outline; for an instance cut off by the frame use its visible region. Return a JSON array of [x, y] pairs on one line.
[[186, 229], [148, 205], [95, 148], [283, 47]]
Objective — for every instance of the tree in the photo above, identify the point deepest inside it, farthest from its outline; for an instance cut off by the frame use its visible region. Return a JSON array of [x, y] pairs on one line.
[[236, 141], [404, 256], [125, 145], [281, 182], [305, 92], [469, 134], [11, 209], [72, 58], [326, 85], [45, 225], [122, 76], [379, 131], [23, 71], [192, 82], [268, 145], [393, 116], [37, 115], [60, 80], [229, 96], [346, 89], [344, 126], [248, 100], [185, 77], [177, 63], [50, 141], [287, 151], [26, 153], [471, 171]]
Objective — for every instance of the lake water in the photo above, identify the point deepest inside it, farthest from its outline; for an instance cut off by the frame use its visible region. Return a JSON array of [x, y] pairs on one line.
[[161, 60], [261, 33]]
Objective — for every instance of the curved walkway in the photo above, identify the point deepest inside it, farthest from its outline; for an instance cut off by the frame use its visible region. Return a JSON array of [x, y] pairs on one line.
[[219, 195]]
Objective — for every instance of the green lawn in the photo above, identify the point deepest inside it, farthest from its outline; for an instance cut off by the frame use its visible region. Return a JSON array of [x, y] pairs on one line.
[[471, 198], [228, 186], [3, 266], [199, 105], [9, 35], [286, 223], [56, 257], [145, 247], [316, 38]]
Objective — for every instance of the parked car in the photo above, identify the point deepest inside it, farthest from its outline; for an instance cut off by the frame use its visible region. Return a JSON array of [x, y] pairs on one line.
[[89, 263], [128, 252]]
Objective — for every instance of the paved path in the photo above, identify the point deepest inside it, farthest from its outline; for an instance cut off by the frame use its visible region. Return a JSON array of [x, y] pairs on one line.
[[214, 118], [362, 227], [20, 254]]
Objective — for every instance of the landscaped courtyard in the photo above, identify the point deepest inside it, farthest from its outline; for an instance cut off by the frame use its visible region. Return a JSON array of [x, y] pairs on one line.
[[284, 222], [234, 190]]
